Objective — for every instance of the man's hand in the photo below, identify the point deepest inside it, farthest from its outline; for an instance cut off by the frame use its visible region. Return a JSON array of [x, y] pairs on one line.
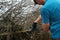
[[34, 25]]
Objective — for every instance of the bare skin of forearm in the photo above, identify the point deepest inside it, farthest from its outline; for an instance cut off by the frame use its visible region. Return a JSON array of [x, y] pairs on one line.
[[46, 27], [39, 19]]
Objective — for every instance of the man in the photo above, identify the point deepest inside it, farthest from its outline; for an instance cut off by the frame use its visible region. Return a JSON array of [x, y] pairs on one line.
[[50, 16]]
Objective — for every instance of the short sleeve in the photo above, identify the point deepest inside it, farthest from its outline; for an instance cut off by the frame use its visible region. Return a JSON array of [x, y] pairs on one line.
[[45, 15]]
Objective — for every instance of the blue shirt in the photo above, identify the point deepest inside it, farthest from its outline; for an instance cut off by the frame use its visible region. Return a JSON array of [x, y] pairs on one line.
[[50, 13]]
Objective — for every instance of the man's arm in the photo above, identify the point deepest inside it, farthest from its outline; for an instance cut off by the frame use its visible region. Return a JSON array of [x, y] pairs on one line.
[[45, 14], [46, 26], [34, 25], [39, 19]]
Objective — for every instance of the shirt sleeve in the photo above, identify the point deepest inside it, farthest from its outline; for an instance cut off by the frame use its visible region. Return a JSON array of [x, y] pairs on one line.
[[45, 15]]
